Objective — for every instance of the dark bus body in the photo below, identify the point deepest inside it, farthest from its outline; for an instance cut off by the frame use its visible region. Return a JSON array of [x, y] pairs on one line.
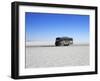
[[63, 41]]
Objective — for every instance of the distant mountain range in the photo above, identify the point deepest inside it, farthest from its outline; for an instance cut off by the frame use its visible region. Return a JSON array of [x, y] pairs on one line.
[[48, 43]]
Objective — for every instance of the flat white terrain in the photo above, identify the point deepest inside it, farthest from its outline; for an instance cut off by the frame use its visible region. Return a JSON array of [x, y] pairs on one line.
[[52, 56]]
